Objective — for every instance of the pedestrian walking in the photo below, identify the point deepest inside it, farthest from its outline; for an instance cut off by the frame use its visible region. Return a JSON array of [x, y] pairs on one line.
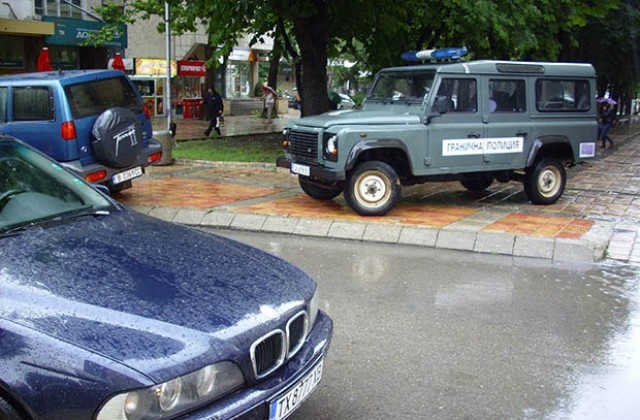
[[605, 121], [214, 107]]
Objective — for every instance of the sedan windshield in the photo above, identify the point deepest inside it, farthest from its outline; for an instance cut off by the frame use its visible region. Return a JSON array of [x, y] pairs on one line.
[[35, 189], [409, 86]]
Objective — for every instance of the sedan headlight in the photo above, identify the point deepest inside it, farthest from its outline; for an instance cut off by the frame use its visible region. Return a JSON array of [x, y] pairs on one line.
[[176, 396]]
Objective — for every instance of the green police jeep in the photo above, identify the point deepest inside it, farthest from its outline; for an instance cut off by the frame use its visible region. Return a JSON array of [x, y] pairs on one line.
[[472, 122]]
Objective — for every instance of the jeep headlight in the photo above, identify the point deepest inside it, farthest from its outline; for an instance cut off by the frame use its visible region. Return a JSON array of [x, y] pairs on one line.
[[331, 147], [174, 397]]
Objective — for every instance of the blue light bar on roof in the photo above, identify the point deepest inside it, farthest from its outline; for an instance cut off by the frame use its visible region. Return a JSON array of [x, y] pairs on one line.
[[454, 53]]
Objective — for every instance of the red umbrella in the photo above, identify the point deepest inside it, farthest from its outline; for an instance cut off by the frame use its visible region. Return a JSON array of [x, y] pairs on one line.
[[117, 63], [44, 61], [269, 89]]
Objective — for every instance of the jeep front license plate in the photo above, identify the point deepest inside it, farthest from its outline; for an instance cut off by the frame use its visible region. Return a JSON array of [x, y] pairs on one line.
[[300, 169], [127, 175], [282, 407]]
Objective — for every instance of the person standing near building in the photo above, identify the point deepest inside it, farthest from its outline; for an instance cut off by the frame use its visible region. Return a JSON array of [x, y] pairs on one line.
[[214, 108], [605, 120]]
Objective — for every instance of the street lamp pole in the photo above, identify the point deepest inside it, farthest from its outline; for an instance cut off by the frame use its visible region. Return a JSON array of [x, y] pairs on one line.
[[167, 88]]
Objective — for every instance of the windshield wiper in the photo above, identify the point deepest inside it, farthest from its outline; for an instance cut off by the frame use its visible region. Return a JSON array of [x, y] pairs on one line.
[[53, 220]]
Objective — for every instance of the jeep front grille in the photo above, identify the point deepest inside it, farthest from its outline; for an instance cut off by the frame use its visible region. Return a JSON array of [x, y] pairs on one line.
[[303, 146], [270, 351]]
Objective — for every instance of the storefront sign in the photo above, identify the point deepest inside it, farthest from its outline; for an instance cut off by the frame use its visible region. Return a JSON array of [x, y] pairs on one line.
[[154, 67], [78, 31], [191, 68]]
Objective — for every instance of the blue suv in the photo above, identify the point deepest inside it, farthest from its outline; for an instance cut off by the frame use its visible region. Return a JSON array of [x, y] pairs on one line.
[[91, 121]]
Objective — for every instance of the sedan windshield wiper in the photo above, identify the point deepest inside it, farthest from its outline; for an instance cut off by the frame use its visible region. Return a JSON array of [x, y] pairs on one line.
[[53, 220]]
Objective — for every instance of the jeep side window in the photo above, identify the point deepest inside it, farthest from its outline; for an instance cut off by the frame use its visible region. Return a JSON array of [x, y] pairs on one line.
[[32, 104], [461, 94], [3, 105], [507, 95], [554, 95]]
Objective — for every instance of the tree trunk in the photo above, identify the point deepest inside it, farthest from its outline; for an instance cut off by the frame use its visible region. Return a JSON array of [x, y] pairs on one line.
[[312, 36]]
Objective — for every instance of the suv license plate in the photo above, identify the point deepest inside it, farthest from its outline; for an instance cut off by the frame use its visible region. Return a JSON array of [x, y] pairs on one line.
[[300, 169], [289, 402], [127, 175]]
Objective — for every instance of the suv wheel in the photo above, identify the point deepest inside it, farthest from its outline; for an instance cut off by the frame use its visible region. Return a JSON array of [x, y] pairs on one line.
[[544, 182], [479, 183], [117, 137], [314, 191], [372, 189]]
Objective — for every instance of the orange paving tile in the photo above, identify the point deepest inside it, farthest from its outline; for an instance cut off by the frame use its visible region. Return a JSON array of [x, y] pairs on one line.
[[404, 213], [190, 193], [537, 225]]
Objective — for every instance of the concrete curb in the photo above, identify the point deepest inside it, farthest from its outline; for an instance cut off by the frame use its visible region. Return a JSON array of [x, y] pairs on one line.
[[463, 237]]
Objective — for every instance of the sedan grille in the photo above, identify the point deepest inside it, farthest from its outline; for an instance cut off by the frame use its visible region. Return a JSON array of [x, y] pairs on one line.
[[270, 351], [303, 146]]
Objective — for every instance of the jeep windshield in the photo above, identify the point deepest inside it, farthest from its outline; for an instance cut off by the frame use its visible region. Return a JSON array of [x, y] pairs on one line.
[[37, 191], [401, 86], [95, 97]]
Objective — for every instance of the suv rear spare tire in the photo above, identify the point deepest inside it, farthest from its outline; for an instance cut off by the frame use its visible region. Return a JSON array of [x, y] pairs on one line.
[[117, 138], [372, 189]]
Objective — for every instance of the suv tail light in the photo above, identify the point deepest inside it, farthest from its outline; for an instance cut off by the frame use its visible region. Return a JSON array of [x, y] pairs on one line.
[[147, 112], [68, 130]]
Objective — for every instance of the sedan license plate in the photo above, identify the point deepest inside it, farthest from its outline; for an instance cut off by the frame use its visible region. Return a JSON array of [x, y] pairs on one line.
[[296, 168], [282, 407], [127, 175]]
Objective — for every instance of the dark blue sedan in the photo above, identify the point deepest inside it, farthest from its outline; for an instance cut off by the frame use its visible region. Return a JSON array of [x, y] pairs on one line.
[[109, 314]]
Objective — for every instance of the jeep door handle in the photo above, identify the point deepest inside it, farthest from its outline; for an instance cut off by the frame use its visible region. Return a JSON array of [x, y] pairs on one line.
[[473, 136], [521, 134]]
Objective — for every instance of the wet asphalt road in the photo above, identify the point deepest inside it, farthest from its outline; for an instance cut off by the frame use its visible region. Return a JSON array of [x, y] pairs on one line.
[[425, 333]]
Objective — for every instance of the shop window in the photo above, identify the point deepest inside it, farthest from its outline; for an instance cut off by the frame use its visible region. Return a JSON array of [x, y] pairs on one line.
[[12, 52], [32, 104]]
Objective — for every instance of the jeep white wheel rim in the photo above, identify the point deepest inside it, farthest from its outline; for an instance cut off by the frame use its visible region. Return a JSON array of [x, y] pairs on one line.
[[549, 181], [372, 189]]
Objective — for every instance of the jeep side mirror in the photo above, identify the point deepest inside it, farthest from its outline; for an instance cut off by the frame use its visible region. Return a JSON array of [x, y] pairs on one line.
[[441, 104]]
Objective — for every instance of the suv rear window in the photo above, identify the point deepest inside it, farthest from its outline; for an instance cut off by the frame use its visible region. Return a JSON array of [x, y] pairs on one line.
[[95, 97]]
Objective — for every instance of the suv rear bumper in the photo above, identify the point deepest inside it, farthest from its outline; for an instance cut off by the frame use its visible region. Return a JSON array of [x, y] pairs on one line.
[[86, 170], [318, 172]]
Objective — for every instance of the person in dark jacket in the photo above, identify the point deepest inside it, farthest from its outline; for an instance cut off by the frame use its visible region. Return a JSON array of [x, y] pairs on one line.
[[605, 120], [214, 108]]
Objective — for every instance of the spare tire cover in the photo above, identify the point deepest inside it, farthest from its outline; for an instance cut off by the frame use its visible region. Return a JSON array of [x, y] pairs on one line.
[[117, 137]]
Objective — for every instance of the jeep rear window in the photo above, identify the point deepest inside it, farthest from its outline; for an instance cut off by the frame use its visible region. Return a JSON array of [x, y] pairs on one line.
[[94, 97], [32, 104], [410, 86], [553, 95]]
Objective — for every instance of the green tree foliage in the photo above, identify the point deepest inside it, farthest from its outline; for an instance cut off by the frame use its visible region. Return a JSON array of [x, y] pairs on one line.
[[375, 33]]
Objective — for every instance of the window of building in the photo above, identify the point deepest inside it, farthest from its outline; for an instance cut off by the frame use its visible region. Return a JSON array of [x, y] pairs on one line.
[[3, 105], [58, 8]]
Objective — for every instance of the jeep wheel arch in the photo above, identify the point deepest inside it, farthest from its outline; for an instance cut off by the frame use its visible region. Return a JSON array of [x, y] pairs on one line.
[[372, 188], [117, 138], [545, 181]]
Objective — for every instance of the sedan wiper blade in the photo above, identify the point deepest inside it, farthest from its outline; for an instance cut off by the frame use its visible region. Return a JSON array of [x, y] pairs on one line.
[[51, 221]]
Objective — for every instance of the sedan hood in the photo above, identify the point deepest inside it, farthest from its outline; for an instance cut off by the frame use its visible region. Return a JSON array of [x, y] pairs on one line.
[[350, 117], [149, 294]]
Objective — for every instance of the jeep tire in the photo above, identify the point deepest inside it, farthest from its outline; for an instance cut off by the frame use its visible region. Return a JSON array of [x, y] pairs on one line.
[[544, 182], [372, 188], [479, 183], [313, 190], [117, 138]]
